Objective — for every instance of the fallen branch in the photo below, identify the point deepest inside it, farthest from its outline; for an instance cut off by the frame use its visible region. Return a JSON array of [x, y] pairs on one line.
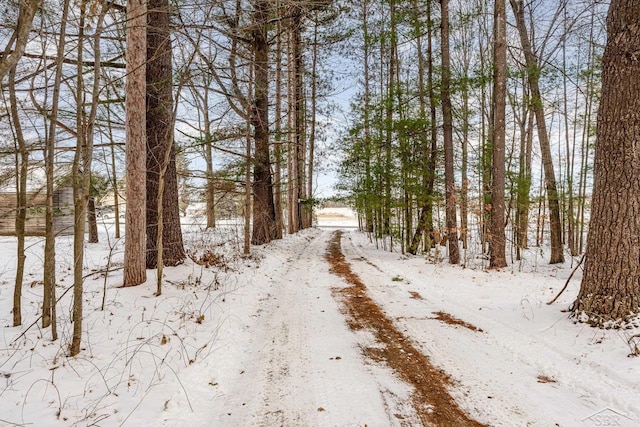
[[567, 282]]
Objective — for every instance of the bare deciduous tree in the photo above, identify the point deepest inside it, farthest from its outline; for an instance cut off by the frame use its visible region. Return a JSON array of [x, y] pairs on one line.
[[14, 49]]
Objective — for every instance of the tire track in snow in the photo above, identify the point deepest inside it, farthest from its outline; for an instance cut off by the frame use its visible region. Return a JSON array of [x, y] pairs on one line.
[[431, 399], [515, 349], [309, 371]]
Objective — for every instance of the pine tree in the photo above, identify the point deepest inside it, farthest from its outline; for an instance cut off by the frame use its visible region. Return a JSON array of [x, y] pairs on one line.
[[162, 181], [447, 117], [610, 288], [135, 271]]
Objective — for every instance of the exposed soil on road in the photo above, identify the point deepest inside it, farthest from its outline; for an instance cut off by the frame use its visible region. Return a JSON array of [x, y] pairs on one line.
[[431, 399]]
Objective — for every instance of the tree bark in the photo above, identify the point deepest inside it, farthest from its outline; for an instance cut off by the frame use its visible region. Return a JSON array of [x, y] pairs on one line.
[[368, 178], [429, 144], [299, 114], [497, 240], [113, 178], [22, 162], [247, 183], [533, 75], [91, 220], [19, 38], [49, 274], [610, 288], [208, 150], [277, 151], [162, 181], [264, 216], [450, 195], [135, 271], [390, 50], [524, 179], [81, 172], [312, 125], [425, 199]]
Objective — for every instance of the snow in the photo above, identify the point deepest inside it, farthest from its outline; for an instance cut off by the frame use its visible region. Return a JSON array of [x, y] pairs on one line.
[[262, 340], [337, 217]]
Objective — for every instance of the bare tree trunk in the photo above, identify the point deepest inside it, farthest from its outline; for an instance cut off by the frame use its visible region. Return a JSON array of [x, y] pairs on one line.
[[292, 165], [82, 166], [113, 178], [135, 271], [247, 187], [49, 299], [450, 195], [571, 222], [22, 163], [484, 175], [19, 38], [523, 190], [81, 173], [424, 228], [542, 206], [389, 110], [466, 117], [312, 130], [208, 150], [533, 75], [277, 151], [610, 288], [497, 239], [80, 218], [91, 220], [368, 187], [159, 128], [160, 229], [585, 143]]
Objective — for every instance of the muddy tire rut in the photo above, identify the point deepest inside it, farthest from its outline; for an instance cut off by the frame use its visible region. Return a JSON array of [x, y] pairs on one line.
[[431, 399]]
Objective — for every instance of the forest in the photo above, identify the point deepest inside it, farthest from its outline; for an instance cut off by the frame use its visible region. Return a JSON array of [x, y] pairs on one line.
[[142, 140]]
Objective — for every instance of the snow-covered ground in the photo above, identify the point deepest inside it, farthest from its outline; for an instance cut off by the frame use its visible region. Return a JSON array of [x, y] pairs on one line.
[[263, 341], [337, 217]]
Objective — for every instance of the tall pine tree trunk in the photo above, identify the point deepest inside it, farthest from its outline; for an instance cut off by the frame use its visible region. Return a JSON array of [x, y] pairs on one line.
[[135, 271], [277, 149], [159, 129], [610, 289], [450, 194], [497, 238], [299, 114], [312, 125], [264, 215]]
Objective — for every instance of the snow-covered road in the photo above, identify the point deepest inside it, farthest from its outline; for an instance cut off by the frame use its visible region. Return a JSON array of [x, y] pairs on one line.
[[300, 364], [307, 369], [287, 356], [273, 340]]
